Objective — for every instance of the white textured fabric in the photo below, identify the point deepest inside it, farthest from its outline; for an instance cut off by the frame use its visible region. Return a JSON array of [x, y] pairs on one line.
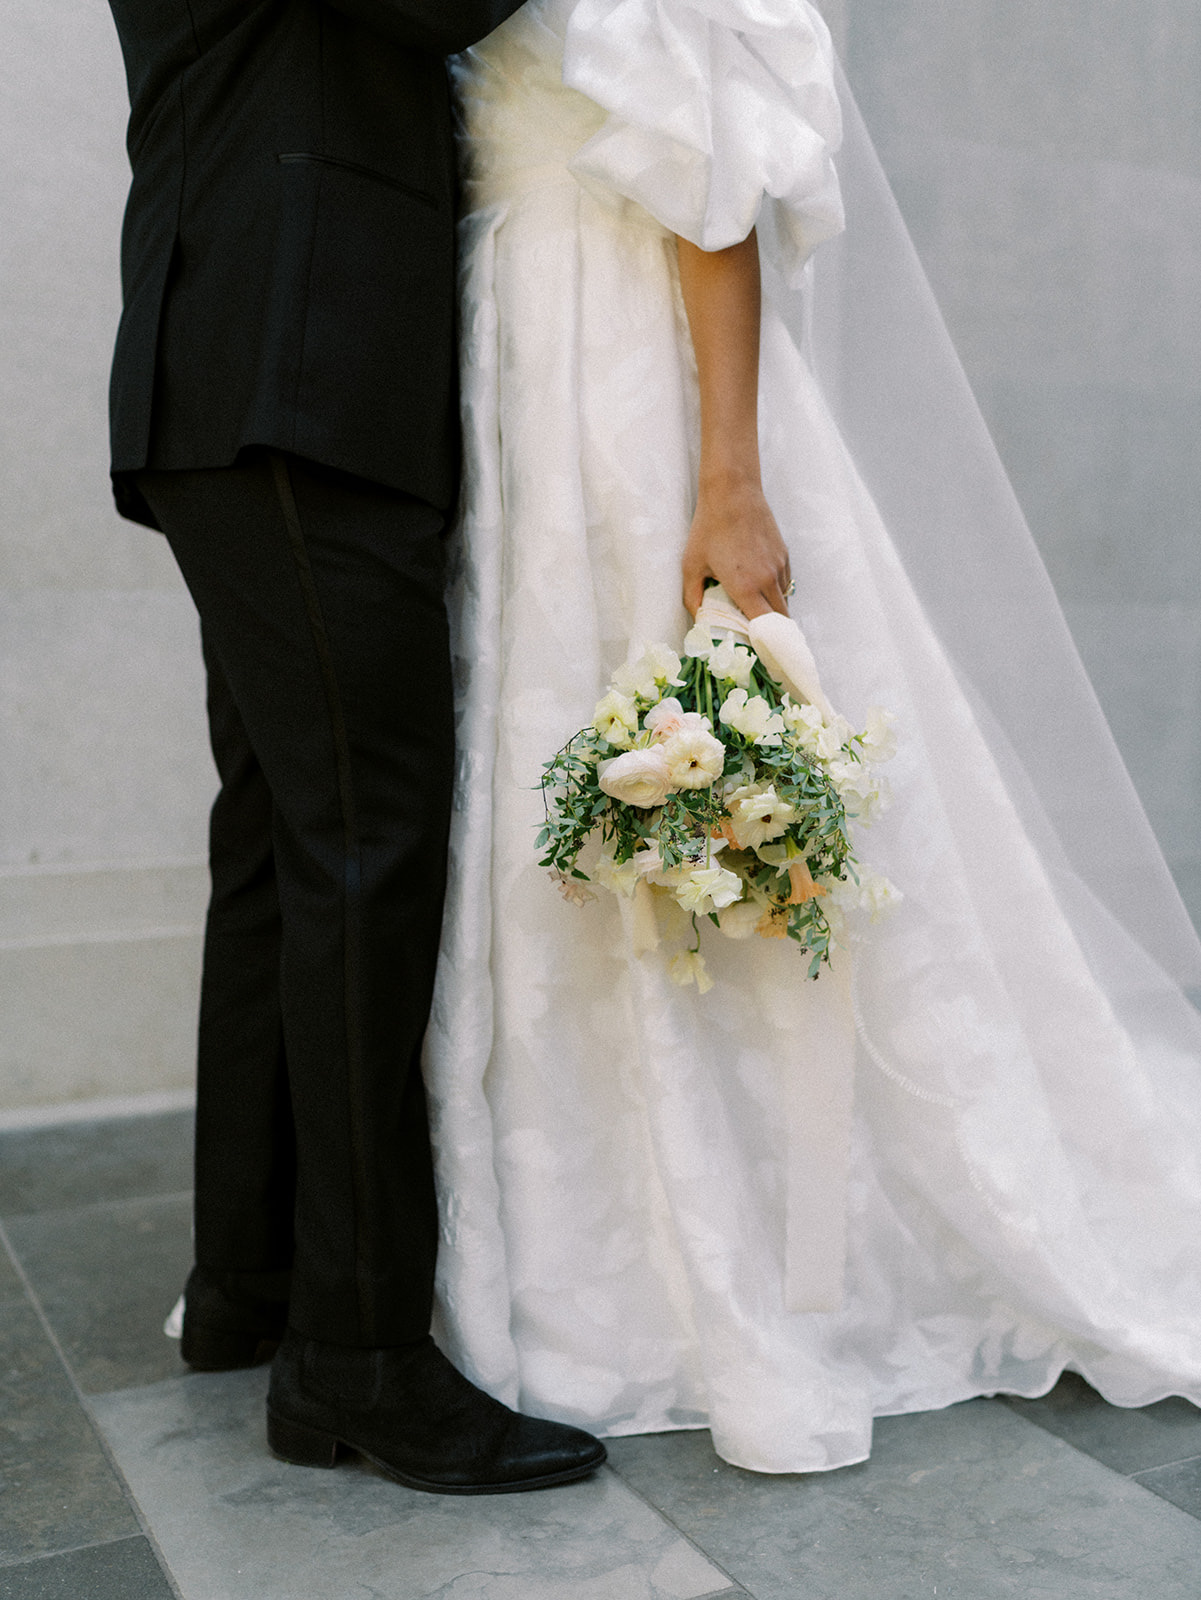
[[621, 1161], [714, 106]]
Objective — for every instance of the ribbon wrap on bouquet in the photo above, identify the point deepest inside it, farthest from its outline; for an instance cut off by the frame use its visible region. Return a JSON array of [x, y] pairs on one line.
[[819, 1102]]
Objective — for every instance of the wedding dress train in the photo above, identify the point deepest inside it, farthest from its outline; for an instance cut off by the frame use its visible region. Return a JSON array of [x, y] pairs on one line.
[[629, 1170]]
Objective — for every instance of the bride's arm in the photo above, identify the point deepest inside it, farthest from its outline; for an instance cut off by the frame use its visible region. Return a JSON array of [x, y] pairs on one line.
[[734, 537]]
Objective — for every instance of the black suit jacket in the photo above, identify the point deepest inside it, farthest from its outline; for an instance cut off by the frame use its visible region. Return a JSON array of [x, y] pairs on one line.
[[288, 251]]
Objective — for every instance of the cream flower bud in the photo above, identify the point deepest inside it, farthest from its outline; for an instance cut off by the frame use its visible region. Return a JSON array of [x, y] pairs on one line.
[[616, 719], [740, 920], [688, 966], [637, 778]]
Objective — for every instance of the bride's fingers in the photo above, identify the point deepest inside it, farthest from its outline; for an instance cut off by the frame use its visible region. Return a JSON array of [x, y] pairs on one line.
[[694, 588]]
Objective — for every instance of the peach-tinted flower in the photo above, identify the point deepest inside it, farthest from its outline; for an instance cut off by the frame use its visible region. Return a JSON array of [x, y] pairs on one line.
[[803, 886]]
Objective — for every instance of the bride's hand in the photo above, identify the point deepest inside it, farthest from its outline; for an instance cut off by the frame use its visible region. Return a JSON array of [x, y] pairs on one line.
[[734, 538]]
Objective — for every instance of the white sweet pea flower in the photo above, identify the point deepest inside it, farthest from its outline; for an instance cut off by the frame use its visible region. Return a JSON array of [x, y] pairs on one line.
[[861, 790], [806, 724], [753, 718], [873, 893], [616, 719], [708, 889], [620, 878], [689, 967], [833, 736], [694, 758], [757, 815], [637, 778], [573, 890], [657, 667], [740, 920], [698, 641], [732, 662], [879, 742]]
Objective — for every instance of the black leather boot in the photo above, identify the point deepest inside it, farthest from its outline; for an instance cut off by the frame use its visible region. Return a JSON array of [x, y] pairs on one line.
[[418, 1418], [232, 1320]]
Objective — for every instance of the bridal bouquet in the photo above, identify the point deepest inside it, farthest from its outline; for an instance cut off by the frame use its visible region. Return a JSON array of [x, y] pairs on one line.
[[720, 784]]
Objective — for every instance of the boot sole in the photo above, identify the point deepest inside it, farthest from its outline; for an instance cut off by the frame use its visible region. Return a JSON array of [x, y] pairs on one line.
[[304, 1446]]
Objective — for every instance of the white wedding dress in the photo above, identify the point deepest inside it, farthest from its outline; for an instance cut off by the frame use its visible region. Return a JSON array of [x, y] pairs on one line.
[[635, 1178]]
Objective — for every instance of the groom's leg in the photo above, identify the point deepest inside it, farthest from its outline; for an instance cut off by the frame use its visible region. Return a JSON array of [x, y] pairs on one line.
[[245, 1146], [321, 599]]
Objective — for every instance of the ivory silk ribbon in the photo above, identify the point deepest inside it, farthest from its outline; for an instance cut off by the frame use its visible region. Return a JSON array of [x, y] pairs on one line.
[[818, 1098]]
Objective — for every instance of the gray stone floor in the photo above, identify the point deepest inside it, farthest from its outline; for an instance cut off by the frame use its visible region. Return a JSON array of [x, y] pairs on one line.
[[124, 1477]]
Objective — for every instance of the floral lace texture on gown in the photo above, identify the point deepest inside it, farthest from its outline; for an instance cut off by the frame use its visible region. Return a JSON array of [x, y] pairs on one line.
[[619, 1159]]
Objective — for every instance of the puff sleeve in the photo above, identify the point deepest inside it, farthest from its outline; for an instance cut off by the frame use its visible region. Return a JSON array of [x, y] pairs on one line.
[[714, 108]]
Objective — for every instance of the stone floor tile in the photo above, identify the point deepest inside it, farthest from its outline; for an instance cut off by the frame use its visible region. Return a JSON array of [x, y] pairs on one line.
[[107, 1276], [57, 1489], [1127, 1439], [971, 1503], [126, 1570], [1180, 1483], [127, 1158], [11, 1287], [235, 1524]]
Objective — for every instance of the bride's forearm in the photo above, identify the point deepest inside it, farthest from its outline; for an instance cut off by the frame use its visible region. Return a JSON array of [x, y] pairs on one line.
[[734, 537], [722, 298]]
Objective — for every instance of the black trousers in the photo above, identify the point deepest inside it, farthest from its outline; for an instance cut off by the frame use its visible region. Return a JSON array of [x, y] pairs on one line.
[[331, 715]]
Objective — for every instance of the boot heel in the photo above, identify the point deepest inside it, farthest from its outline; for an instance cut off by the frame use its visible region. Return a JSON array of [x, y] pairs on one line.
[[301, 1445], [216, 1350]]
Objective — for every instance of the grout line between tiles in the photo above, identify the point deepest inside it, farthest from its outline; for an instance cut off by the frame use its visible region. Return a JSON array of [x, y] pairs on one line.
[[1130, 1477], [74, 1550], [736, 1587], [1184, 1461], [126, 1202], [43, 1319]]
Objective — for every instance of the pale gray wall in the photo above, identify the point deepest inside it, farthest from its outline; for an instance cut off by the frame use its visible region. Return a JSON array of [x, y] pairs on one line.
[[1046, 158], [104, 774]]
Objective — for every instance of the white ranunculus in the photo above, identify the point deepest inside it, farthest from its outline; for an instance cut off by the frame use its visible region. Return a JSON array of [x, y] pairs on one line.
[[637, 778], [732, 663], [758, 815], [879, 741], [708, 889], [694, 758], [688, 966], [657, 667], [752, 717], [739, 921], [616, 719]]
